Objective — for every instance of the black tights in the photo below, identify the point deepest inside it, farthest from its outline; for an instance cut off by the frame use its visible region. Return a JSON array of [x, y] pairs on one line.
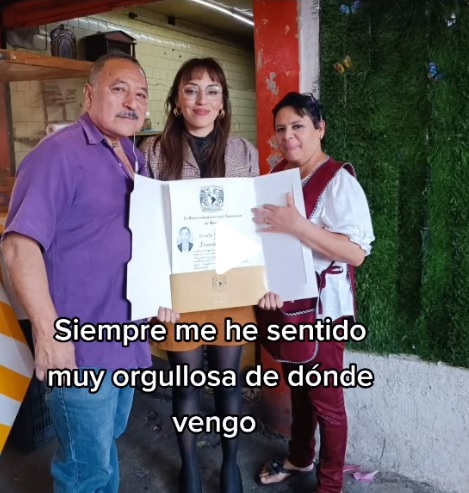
[[227, 403]]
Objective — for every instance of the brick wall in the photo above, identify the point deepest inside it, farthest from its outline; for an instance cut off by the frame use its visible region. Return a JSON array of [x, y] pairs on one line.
[[160, 50]]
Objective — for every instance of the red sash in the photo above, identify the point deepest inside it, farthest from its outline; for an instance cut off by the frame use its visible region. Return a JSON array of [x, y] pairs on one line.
[[304, 311]]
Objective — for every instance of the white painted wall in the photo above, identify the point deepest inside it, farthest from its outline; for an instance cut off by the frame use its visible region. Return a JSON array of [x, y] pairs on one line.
[[413, 421]]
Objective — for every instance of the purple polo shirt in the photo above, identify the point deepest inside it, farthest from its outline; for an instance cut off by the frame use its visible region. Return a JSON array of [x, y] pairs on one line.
[[72, 196]]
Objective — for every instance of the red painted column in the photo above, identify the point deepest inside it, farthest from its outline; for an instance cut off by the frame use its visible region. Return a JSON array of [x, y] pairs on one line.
[[277, 51], [276, 36]]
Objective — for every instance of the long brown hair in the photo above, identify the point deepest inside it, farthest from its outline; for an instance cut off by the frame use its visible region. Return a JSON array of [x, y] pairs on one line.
[[173, 139]]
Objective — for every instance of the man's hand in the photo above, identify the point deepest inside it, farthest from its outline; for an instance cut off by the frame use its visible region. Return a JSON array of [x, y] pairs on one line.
[[270, 301], [27, 272], [167, 315], [53, 355]]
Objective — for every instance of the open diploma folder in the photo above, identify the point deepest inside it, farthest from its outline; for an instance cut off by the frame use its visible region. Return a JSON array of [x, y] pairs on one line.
[[195, 245]]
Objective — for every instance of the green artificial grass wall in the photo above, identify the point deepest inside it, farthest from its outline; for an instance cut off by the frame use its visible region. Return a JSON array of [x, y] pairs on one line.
[[406, 133]]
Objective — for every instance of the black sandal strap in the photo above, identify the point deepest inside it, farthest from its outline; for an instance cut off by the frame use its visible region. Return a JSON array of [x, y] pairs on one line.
[[275, 466]]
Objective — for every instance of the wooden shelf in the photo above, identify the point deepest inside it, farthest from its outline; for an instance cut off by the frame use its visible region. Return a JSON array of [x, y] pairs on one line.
[[18, 66]]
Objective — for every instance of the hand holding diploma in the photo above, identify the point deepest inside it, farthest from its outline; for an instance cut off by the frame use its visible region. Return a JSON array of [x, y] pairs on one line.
[[270, 301], [279, 219], [167, 315]]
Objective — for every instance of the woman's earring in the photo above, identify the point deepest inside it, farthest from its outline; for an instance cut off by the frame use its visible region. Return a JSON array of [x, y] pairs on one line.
[[221, 113], [177, 112]]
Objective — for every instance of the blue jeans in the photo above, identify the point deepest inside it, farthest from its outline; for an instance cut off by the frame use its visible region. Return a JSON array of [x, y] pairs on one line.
[[87, 426]]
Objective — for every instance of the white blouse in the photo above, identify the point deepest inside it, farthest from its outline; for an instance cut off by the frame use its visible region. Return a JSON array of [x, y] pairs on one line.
[[343, 209]]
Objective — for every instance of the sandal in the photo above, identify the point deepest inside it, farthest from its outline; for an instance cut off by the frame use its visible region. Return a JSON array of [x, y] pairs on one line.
[[275, 467]]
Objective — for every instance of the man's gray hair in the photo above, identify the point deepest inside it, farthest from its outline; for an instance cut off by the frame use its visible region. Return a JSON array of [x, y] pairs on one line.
[[96, 69]]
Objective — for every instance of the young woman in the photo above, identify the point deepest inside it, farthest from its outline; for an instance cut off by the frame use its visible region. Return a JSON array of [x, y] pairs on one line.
[[196, 143], [339, 232]]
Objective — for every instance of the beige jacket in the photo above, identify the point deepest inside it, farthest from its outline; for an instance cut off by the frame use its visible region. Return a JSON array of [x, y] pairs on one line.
[[241, 159]]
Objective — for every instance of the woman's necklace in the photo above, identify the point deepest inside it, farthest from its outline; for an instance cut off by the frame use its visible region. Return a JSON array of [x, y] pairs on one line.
[[306, 179]]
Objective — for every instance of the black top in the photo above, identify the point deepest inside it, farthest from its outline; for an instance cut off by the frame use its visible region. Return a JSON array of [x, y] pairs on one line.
[[199, 147]]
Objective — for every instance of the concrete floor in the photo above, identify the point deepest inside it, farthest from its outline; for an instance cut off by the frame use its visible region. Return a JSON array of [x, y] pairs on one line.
[[150, 460]]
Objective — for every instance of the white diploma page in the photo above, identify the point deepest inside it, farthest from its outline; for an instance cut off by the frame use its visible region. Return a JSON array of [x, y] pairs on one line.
[[289, 263], [203, 230], [149, 269], [212, 225]]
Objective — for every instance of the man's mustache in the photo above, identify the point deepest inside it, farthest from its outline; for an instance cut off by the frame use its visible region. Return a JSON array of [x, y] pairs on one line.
[[128, 114]]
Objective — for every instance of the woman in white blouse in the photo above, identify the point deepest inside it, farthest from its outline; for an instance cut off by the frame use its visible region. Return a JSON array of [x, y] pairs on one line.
[[339, 231]]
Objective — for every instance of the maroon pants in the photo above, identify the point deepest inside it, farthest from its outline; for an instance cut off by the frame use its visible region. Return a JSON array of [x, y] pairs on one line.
[[324, 406]]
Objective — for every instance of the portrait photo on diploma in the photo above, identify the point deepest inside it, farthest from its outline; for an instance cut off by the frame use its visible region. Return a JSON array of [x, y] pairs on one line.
[[197, 238], [184, 240]]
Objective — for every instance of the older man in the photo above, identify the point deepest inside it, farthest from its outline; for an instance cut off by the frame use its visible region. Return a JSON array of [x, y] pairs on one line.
[[66, 246]]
